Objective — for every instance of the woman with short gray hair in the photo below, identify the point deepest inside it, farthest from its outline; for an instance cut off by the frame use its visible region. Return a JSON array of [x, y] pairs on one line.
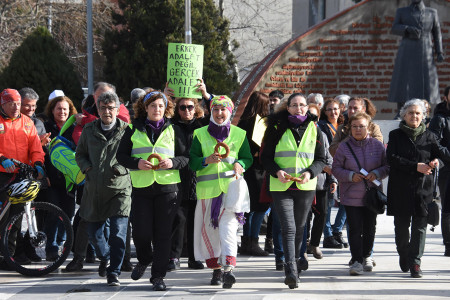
[[412, 154]]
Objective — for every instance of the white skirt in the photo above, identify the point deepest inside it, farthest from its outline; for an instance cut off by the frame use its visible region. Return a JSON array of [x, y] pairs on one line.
[[210, 242]]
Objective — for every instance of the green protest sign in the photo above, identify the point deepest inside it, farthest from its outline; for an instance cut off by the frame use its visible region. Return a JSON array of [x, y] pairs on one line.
[[184, 68]]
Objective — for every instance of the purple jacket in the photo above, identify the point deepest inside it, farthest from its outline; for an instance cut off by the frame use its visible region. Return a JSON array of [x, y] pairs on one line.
[[371, 154]]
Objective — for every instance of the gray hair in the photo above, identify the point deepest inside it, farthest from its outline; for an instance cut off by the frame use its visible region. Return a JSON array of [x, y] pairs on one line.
[[343, 99], [104, 85], [109, 97], [316, 98], [28, 93], [136, 94], [413, 102]]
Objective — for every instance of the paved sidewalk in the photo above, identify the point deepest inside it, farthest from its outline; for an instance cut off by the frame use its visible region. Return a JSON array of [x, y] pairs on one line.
[[327, 278]]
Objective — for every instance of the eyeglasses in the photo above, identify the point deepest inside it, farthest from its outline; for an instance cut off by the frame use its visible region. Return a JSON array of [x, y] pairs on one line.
[[301, 105], [188, 107], [332, 109], [107, 108], [360, 127]]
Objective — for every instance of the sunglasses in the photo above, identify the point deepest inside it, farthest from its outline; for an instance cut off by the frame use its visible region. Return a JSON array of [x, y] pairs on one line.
[[188, 107]]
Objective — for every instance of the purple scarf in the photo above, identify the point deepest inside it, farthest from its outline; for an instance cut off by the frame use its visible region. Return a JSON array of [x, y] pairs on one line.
[[297, 120], [215, 211], [220, 133], [156, 126]]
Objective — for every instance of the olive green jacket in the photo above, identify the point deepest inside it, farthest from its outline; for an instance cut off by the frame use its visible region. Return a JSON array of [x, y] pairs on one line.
[[107, 190]]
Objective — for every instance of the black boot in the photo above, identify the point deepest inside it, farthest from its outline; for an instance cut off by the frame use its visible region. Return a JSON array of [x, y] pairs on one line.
[[245, 245], [268, 245], [290, 270], [75, 265], [216, 277], [255, 250], [340, 239]]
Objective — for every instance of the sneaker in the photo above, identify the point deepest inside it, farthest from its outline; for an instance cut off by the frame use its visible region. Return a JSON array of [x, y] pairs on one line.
[[340, 239], [127, 266], [113, 280], [416, 272], [356, 268], [102, 268], [22, 259], [75, 265], [228, 280], [330, 242], [158, 284], [195, 264], [138, 271], [174, 264], [216, 277], [368, 264]]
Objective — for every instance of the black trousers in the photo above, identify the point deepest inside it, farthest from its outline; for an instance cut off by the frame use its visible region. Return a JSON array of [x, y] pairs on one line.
[[152, 219], [361, 231], [183, 222], [320, 211]]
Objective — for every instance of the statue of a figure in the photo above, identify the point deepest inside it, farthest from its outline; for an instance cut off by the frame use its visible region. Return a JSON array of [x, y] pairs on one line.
[[415, 74]]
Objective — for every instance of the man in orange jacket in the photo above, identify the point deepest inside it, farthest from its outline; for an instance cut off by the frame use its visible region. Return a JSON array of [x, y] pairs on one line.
[[18, 140]]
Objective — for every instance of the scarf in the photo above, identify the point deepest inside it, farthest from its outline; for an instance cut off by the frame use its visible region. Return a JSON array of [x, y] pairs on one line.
[[219, 131], [412, 133], [156, 126], [297, 120]]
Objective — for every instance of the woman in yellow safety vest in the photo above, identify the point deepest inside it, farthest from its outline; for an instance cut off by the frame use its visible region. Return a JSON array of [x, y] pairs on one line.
[[293, 154], [215, 227], [154, 196]]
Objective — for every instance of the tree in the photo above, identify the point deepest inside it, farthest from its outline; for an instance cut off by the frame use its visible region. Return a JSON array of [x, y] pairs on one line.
[[136, 49], [40, 63]]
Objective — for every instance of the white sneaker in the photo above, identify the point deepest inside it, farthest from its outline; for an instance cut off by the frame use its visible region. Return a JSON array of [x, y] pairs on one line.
[[369, 263], [356, 268]]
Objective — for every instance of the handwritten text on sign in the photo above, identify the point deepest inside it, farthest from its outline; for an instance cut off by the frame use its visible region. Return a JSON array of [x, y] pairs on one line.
[[184, 68]]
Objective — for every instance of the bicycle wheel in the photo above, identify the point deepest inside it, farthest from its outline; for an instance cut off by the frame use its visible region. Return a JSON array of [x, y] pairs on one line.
[[16, 225]]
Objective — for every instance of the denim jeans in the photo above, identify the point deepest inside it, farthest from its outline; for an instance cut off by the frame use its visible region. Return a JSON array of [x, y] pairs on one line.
[[110, 248], [292, 207], [339, 221], [276, 234], [253, 223]]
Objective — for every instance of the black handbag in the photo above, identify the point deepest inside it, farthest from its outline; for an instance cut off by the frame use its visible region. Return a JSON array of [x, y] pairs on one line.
[[374, 199], [433, 206]]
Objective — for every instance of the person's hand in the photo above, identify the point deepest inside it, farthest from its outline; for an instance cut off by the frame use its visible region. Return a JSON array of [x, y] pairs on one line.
[[357, 177], [213, 159], [166, 164], [144, 165], [333, 187], [79, 117], [45, 139], [169, 91], [413, 32], [238, 169], [304, 177], [371, 176], [9, 166], [424, 168], [440, 57], [41, 173], [201, 87], [434, 163], [327, 169], [281, 176]]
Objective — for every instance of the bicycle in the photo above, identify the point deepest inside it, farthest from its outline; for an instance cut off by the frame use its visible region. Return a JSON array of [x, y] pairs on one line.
[[38, 238]]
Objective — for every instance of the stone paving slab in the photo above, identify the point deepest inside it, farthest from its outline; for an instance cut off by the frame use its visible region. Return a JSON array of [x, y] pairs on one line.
[[327, 278]]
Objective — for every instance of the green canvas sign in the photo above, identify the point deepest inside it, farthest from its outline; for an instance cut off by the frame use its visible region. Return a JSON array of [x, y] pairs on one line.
[[184, 69]]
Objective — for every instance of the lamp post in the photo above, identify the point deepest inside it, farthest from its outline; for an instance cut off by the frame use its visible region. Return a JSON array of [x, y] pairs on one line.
[[187, 22], [90, 61]]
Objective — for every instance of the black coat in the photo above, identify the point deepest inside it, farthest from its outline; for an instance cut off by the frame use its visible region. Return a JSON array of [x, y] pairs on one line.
[[255, 174], [188, 183], [409, 191], [277, 125]]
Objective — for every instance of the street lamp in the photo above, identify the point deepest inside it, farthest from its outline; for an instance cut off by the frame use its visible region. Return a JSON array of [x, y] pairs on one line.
[[187, 22], [89, 50]]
